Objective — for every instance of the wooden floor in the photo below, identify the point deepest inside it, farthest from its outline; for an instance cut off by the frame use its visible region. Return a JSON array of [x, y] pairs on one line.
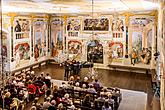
[[125, 80]]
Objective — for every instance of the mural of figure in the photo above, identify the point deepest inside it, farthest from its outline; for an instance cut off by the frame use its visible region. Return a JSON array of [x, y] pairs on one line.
[[39, 38], [59, 39], [23, 50], [43, 47], [26, 53], [36, 54], [110, 55], [4, 50], [117, 49], [117, 25], [56, 36], [25, 26], [137, 40], [18, 29], [54, 50]]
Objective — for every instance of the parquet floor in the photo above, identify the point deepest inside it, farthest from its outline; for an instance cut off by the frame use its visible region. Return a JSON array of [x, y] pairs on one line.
[[125, 80]]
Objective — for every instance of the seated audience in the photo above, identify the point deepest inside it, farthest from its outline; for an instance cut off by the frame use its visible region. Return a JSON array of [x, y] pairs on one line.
[[86, 101], [48, 80], [53, 105], [85, 81], [97, 85], [91, 89], [47, 103], [106, 106]]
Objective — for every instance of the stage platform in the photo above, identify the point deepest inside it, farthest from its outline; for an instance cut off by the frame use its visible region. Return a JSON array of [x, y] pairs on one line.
[[125, 65]]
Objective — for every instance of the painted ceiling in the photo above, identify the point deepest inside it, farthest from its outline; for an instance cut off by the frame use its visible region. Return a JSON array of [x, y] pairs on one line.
[[78, 6]]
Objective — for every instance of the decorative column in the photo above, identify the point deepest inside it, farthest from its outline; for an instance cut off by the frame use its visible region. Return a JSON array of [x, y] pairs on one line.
[[47, 20], [127, 18], [65, 35], [12, 16], [32, 36]]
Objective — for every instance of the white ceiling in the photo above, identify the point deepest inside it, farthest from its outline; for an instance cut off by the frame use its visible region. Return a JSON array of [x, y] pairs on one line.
[[77, 6]]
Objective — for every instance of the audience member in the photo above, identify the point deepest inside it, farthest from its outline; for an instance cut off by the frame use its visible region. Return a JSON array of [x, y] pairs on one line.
[[47, 103]]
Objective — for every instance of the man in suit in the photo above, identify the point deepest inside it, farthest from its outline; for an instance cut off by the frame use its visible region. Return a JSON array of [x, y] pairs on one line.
[[67, 69]]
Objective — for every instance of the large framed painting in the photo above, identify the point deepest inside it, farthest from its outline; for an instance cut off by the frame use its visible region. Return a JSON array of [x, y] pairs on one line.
[[22, 53], [21, 28], [57, 30], [100, 24], [74, 47], [95, 51], [39, 27]]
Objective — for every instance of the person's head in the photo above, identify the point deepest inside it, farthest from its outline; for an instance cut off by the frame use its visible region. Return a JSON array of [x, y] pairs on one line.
[[102, 94], [32, 72], [78, 78], [84, 86], [55, 88], [91, 85], [17, 22], [33, 108], [77, 84], [105, 89], [63, 83], [48, 99], [53, 102], [66, 96], [7, 95], [71, 78], [42, 74], [87, 97], [36, 100], [93, 78], [60, 106], [85, 79], [51, 97], [96, 80]]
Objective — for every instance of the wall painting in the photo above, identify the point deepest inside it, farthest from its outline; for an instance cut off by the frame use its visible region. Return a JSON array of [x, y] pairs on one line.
[[22, 53], [101, 24], [21, 28], [39, 27], [56, 36], [95, 51]]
